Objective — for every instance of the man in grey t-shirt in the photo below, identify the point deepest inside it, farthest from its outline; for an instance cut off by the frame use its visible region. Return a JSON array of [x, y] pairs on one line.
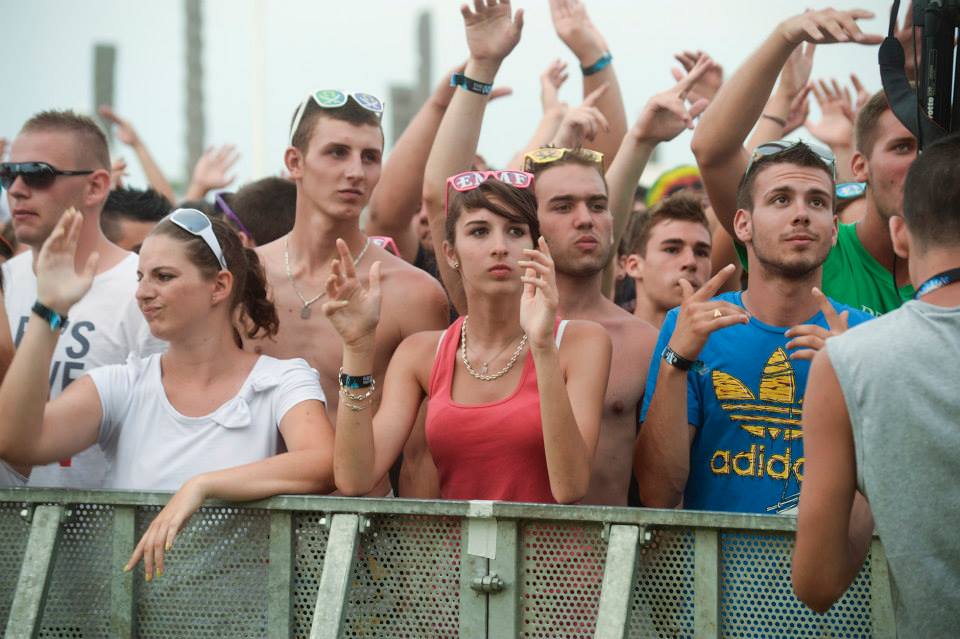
[[882, 417]]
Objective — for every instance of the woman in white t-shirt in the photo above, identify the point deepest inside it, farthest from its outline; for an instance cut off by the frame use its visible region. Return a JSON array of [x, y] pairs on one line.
[[206, 418]]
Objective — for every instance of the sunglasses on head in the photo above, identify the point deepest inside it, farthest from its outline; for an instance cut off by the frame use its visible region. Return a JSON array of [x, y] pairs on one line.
[[196, 223], [769, 149], [334, 99], [469, 180], [36, 175], [548, 154], [221, 203]]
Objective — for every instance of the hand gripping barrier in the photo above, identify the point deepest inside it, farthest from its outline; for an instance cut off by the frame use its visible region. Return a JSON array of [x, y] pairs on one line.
[[336, 567]]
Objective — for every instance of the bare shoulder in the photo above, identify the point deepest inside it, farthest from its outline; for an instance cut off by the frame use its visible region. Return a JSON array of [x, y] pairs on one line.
[[413, 298], [405, 279], [417, 353], [581, 334]]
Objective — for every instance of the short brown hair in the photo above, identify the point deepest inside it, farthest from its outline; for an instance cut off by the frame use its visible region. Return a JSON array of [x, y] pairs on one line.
[[865, 132], [350, 112], [575, 156], [91, 142], [267, 207], [799, 154], [516, 205], [682, 206], [931, 195]]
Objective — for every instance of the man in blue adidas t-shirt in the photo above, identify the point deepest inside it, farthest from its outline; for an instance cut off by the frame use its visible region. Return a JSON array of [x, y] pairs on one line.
[[722, 409]]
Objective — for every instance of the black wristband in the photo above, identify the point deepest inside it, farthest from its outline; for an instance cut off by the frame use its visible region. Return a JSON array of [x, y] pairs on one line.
[[676, 360], [599, 65], [50, 316], [352, 381], [469, 84]]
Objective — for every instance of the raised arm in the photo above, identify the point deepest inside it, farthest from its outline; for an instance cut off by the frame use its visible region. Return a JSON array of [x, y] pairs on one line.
[[399, 193], [367, 445], [492, 32], [212, 171], [553, 111], [835, 127], [663, 118], [662, 455], [571, 395], [718, 142], [34, 431], [577, 31], [129, 136], [789, 106]]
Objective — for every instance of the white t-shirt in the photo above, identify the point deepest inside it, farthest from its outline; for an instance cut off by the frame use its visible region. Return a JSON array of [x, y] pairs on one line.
[[105, 327], [151, 446]]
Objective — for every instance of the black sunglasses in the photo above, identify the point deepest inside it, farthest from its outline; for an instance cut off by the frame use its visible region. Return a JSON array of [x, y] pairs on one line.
[[36, 175]]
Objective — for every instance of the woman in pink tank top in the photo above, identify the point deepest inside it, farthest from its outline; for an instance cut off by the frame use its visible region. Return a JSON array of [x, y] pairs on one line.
[[514, 396]]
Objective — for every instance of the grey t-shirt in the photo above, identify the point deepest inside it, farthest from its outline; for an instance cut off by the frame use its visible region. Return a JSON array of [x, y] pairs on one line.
[[899, 375]]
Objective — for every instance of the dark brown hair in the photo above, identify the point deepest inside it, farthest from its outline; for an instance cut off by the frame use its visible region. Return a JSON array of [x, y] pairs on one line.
[[683, 206], [868, 118], [91, 142], [350, 112], [249, 280], [931, 195], [266, 207], [516, 205], [799, 154]]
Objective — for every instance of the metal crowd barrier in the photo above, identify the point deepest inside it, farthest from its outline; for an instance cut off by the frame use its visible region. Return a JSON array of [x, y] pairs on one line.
[[337, 567]]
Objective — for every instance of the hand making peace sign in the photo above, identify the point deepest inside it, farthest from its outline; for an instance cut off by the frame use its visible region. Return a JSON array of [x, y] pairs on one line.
[[700, 315], [810, 338]]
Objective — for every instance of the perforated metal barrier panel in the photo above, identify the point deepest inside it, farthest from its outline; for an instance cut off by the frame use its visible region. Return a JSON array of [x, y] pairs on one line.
[[406, 570]]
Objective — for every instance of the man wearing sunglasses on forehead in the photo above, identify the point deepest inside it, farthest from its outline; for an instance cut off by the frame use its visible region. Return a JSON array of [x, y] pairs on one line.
[[59, 161], [862, 269], [334, 158]]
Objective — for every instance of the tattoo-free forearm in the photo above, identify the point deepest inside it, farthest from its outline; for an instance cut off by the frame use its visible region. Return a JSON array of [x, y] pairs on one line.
[[155, 177], [610, 105], [568, 460], [354, 454], [25, 390], [294, 472], [547, 128], [662, 459]]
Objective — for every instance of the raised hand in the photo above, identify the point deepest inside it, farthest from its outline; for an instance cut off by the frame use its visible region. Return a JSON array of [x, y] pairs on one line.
[[59, 285], [795, 75], [492, 29], [827, 26], [709, 83], [798, 112], [574, 28], [666, 114], [538, 304], [863, 96], [835, 127], [353, 309], [212, 169], [582, 123], [121, 128], [700, 316], [163, 529], [118, 171], [810, 338], [550, 82]]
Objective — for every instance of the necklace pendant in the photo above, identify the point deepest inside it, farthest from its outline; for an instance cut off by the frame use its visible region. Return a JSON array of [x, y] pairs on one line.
[[484, 368], [305, 312]]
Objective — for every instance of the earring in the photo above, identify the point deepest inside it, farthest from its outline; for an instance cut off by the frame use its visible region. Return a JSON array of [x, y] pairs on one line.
[[456, 265]]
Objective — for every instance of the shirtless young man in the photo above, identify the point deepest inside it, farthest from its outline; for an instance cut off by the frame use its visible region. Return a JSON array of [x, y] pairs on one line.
[[334, 158], [580, 223]]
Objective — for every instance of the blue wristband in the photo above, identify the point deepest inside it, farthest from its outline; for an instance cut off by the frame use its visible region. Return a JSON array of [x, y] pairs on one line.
[[355, 381], [599, 65], [469, 84]]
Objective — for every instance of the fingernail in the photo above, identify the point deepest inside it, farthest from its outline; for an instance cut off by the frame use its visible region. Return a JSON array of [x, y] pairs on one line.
[[168, 546], [148, 577], [159, 572], [127, 569]]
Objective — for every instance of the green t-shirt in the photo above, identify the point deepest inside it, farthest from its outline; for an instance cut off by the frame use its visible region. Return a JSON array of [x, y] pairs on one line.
[[853, 277]]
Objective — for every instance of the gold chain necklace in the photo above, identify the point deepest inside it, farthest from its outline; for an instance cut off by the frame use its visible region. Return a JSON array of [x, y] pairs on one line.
[[305, 311], [482, 376]]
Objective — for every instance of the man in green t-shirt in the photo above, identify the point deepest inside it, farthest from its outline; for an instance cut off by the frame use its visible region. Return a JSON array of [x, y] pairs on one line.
[[862, 270]]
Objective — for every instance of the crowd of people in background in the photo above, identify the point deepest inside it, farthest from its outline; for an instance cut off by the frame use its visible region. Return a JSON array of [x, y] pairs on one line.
[[420, 324]]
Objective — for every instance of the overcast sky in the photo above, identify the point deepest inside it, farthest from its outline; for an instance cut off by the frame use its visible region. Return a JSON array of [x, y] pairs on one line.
[[261, 57]]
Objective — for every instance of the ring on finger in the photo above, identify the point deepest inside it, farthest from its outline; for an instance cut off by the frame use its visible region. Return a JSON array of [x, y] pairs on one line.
[[717, 313]]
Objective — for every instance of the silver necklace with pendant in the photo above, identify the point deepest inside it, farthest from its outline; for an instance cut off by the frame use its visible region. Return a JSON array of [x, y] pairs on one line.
[[305, 311]]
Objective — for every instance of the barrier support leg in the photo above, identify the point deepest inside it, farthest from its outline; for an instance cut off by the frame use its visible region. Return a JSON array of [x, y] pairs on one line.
[[121, 583], [619, 572], [34, 578], [706, 583], [329, 614], [280, 577]]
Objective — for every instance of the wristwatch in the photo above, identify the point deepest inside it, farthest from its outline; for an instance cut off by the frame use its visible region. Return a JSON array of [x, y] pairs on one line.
[[50, 316], [676, 360]]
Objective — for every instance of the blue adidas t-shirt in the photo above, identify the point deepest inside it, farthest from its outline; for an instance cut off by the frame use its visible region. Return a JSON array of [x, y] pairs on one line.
[[746, 405]]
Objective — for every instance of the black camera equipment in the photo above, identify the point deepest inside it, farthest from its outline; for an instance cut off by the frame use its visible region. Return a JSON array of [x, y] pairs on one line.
[[930, 110]]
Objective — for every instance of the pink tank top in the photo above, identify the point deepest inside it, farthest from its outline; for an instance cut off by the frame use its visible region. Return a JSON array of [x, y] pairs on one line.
[[492, 450]]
